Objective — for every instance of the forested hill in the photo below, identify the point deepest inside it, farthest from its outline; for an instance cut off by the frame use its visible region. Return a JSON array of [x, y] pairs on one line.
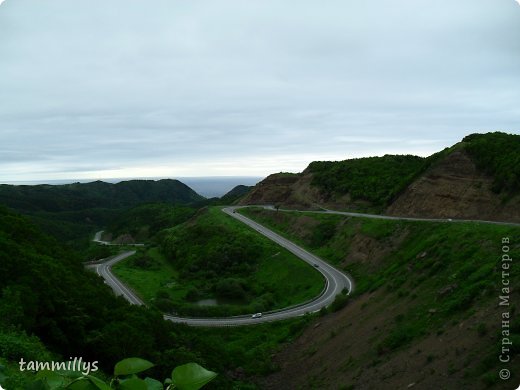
[[46, 292], [81, 196], [477, 178], [235, 194]]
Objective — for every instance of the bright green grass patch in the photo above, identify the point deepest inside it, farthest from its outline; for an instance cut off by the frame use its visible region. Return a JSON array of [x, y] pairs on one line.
[[293, 280], [147, 278]]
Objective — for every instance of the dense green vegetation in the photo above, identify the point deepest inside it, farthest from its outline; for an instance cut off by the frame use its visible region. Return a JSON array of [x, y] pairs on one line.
[[144, 221], [72, 212], [215, 257], [497, 154], [379, 180], [47, 292], [14, 345], [82, 196], [147, 272], [449, 269], [374, 179], [51, 308], [74, 228], [235, 194]]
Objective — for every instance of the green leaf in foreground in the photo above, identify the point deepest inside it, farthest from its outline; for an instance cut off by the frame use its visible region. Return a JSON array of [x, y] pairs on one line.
[[133, 384], [37, 385], [82, 384], [99, 383], [51, 378], [131, 366], [191, 376], [153, 384], [3, 377]]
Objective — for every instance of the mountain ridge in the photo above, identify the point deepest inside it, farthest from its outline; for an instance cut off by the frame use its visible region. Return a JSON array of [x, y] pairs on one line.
[[78, 196], [477, 178]]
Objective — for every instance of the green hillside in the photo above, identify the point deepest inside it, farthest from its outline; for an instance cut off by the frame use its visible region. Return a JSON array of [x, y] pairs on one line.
[[415, 281], [51, 308], [235, 194], [98, 194], [373, 179], [497, 154], [379, 180], [72, 212], [212, 256], [46, 292], [145, 221]]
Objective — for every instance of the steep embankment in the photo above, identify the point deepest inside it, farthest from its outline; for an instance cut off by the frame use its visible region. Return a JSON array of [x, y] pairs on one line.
[[455, 188], [425, 313], [479, 178], [287, 189], [365, 184]]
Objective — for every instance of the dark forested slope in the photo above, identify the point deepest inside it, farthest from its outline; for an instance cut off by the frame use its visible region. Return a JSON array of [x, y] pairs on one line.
[[72, 212], [46, 292], [80, 196]]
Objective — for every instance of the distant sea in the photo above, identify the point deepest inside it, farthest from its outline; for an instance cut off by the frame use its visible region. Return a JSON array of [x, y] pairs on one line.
[[210, 187]]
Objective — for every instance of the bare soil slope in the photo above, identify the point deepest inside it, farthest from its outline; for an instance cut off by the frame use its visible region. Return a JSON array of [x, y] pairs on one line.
[[455, 188], [337, 352], [288, 190], [295, 191]]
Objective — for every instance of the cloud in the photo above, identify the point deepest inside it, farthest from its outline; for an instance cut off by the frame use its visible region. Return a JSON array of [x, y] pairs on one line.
[[228, 87]]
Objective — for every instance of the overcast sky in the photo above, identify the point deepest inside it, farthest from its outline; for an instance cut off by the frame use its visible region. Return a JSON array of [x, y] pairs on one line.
[[135, 88]]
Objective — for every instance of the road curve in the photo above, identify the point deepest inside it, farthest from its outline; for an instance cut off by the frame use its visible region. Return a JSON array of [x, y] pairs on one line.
[[104, 270], [335, 282], [97, 238]]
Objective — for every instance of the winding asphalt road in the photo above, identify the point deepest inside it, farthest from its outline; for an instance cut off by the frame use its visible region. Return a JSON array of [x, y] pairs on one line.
[[389, 217], [335, 282], [104, 270]]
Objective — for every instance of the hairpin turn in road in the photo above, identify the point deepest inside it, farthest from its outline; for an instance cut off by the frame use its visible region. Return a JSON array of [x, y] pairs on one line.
[[335, 282]]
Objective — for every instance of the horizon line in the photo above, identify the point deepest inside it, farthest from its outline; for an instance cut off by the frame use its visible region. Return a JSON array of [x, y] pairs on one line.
[[115, 180]]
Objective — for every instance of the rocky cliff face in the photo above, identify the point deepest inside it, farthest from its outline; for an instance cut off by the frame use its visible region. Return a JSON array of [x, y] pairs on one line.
[[454, 188]]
